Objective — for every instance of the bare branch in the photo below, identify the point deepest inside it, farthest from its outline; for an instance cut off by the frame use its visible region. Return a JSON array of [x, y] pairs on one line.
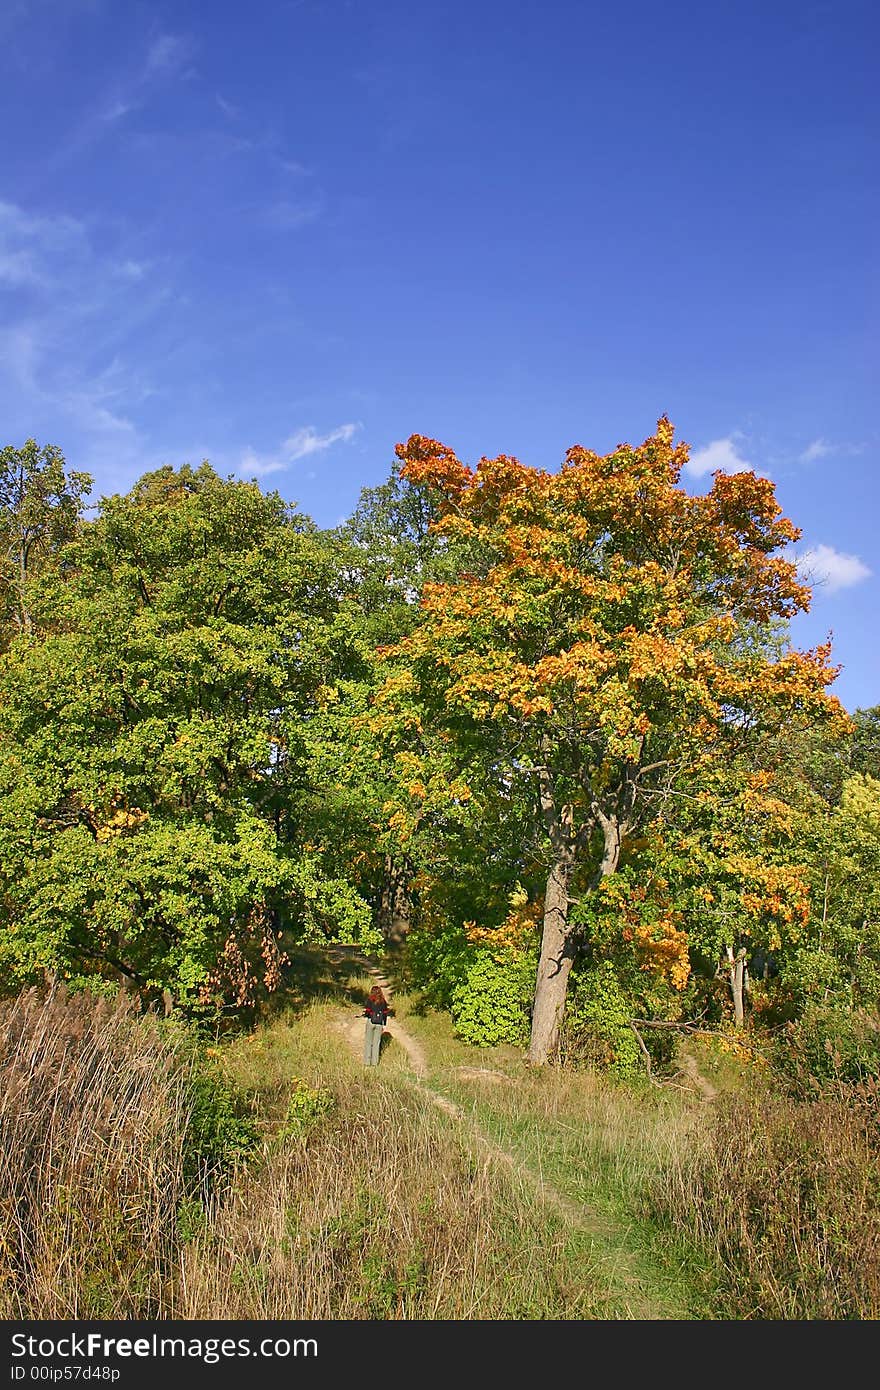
[[645, 1053]]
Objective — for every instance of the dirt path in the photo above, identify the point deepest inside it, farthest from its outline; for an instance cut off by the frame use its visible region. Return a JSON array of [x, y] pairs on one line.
[[354, 1032], [627, 1288], [702, 1083], [353, 1027]]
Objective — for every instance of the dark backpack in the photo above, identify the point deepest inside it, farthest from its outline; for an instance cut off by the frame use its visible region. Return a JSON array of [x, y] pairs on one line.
[[378, 1012]]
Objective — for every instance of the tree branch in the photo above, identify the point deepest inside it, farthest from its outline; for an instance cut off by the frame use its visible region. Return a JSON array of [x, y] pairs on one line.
[[645, 1053]]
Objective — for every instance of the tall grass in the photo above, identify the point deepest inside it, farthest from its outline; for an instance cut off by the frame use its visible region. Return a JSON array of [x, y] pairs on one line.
[[364, 1200], [601, 1146], [785, 1192], [372, 1201], [476, 1192], [381, 1212], [767, 1199], [92, 1119]]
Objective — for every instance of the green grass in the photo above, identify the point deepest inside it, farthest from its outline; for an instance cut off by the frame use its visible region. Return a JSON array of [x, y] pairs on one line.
[[433, 1030], [570, 1155], [601, 1148]]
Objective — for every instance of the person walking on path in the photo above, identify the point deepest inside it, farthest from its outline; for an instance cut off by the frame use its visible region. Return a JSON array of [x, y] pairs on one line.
[[376, 1014]]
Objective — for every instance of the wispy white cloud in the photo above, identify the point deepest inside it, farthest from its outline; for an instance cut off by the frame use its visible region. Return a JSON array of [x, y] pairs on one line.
[[87, 409], [53, 232], [830, 569], [19, 355], [823, 448], [116, 110], [15, 14], [64, 340], [31, 246], [268, 145], [298, 445], [718, 454], [18, 268], [817, 450], [293, 166], [166, 57], [308, 441], [227, 107], [132, 270]]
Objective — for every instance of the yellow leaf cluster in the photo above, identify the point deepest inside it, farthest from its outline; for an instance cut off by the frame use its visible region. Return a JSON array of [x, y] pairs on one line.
[[120, 822], [516, 932], [664, 951], [777, 891]]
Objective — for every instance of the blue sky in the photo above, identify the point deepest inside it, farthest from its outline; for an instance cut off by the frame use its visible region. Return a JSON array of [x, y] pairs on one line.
[[283, 236]]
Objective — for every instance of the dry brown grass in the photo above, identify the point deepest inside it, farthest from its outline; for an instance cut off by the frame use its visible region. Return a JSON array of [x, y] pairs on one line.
[[390, 1220], [337, 1216], [786, 1192], [92, 1116], [431, 1213]]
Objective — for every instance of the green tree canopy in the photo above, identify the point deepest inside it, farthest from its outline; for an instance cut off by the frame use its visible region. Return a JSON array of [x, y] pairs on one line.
[[154, 757], [40, 503]]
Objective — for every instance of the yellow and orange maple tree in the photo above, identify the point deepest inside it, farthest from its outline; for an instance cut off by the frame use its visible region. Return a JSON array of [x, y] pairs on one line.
[[597, 653]]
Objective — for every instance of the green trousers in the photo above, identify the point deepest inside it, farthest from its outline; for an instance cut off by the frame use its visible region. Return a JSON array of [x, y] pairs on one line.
[[372, 1042]]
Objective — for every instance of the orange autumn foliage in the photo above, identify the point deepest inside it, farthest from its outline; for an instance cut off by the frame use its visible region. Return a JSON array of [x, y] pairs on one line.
[[516, 932], [600, 652], [663, 951], [652, 585]]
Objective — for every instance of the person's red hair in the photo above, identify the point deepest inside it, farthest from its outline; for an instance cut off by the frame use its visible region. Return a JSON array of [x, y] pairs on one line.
[[377, 996]]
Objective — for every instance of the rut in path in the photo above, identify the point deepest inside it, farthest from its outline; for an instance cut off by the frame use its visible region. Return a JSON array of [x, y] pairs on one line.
[[627, 1288]]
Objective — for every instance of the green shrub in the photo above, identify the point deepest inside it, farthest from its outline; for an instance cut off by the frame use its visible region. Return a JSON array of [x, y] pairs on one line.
[[435, 963], [830, 1043], [305, 1109], [596, 1028], [492, 1005], [219, 1132]]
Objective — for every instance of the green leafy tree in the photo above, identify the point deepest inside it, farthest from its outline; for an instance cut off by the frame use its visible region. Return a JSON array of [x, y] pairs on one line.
[[385, 553], [819, 789], [154, 758], [837, 957], [40, 507]]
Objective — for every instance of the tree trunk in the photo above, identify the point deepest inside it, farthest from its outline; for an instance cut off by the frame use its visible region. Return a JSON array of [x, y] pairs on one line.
[[386, 895], [557, 952], [554, 966], [395, 907], [23, 617], [737, 967]]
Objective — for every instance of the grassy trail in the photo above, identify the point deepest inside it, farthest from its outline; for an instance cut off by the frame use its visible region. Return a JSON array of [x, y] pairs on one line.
[[271, 1175], [632, 1283]]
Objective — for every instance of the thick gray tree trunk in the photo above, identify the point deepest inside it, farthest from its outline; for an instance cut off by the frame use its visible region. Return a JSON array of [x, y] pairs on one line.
[[557, 954], [554, 966], [737, 967], [395, 906]]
